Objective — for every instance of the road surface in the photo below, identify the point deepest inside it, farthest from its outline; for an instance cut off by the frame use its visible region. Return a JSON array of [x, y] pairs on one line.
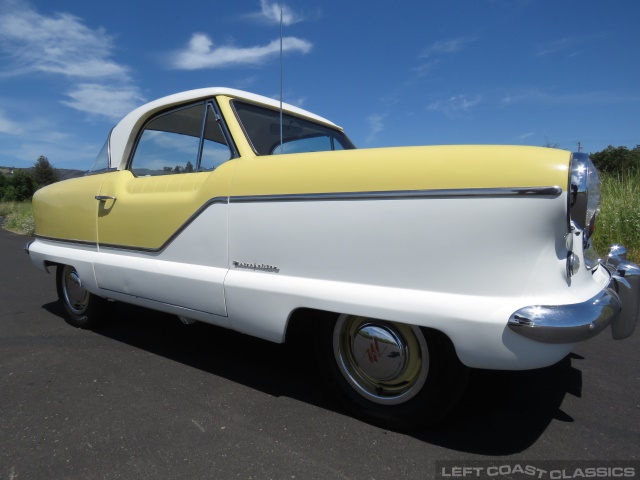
[[148, 398]]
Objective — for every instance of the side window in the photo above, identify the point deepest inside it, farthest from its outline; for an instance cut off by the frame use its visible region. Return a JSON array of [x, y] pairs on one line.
[[263, 129], [215, 150], [173, 143], [319, 143]]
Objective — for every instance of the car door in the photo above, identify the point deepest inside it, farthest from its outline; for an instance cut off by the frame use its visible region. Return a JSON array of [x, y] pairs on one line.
[[162, 222]]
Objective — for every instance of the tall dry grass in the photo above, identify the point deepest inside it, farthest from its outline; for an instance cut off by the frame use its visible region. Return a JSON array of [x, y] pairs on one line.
[[619, 219], [18, 217]]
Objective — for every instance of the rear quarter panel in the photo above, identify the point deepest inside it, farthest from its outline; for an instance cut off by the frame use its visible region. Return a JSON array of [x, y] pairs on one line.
[[68, 210], [459, 264]]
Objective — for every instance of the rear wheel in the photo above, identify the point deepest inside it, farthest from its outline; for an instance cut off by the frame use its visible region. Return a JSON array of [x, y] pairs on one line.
[[391, 374], [83, 309]]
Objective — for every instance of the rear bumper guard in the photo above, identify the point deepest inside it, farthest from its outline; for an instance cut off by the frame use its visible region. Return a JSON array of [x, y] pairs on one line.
[[617, 305]]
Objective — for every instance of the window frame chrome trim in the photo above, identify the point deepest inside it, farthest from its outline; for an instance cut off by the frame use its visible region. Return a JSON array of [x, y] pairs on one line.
[[109, 167], [224, 130]]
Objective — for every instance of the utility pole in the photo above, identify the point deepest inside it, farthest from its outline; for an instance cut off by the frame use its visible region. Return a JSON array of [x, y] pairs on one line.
[[579, 146]]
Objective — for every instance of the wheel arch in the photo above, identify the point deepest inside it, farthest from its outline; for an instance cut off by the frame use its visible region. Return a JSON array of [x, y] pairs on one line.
[[297, 328]]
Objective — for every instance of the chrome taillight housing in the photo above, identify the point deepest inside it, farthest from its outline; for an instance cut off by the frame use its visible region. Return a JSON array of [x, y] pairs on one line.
[[584, 198]]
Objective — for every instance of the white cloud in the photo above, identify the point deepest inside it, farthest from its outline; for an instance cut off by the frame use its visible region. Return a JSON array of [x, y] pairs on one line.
[[545, 98], [447, 46], [569, 45], [426, 69], [456, 104], [71, 154], [60, 44], [296, 101], [376, 125], [8, 126], [201, 53], [271, 12], [108, 101], [524, 136]]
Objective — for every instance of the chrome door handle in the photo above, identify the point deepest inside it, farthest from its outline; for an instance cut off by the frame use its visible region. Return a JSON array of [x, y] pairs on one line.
[[104, 198]]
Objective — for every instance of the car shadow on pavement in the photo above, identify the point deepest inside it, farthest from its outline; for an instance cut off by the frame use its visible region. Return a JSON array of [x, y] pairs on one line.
[[501, 413]]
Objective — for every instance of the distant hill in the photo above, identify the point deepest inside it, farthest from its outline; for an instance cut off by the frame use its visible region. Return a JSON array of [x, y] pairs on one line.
[[63, 173]]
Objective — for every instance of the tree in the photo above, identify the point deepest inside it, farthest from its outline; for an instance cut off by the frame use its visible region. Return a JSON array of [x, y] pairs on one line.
[[21, 187], [43, 172], [619, 160], [189, 167], [548, 144], [3, 184]]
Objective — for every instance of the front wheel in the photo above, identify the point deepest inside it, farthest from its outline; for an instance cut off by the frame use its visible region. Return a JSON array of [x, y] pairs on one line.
[[83, 309], [392, 374]]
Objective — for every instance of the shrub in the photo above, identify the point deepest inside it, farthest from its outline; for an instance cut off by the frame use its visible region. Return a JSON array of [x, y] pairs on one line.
[[617, 160]]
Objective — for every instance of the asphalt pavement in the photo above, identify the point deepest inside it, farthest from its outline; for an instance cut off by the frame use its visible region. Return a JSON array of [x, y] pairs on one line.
[[146, 397]]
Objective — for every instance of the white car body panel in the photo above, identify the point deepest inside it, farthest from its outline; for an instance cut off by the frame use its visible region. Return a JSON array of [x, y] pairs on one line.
[[287, 235]]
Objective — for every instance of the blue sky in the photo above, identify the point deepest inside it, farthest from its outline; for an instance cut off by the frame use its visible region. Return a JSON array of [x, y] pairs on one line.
[[423, 72]]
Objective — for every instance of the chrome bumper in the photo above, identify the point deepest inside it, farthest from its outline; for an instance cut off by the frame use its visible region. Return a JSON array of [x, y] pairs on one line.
[[616, 305]]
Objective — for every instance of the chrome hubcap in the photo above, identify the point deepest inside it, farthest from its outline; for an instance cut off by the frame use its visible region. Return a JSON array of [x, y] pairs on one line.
[[378, 352], [75, 295], [385, 362]]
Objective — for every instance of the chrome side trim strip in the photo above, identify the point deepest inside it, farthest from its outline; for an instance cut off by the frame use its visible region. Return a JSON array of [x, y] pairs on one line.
[[544, 192], [67, 240], [548, 192]]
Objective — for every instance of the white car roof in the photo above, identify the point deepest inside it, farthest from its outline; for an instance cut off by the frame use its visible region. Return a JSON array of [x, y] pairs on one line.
[[123, 134]]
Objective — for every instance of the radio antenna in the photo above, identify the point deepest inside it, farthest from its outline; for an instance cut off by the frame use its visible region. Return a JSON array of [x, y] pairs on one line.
[[281, 79]]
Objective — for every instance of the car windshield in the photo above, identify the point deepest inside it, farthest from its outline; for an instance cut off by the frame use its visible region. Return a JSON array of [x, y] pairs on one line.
[[262, 126]]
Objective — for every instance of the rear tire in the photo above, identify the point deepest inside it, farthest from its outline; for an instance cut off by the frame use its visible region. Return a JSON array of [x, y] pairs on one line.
[[390, 374], [83, 309]]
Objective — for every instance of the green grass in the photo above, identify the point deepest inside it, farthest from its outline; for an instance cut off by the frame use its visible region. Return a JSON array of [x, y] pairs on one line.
[[18, 217], [619, 219]]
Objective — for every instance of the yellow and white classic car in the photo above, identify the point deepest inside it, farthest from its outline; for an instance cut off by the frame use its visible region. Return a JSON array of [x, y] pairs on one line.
[[406, 265]]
